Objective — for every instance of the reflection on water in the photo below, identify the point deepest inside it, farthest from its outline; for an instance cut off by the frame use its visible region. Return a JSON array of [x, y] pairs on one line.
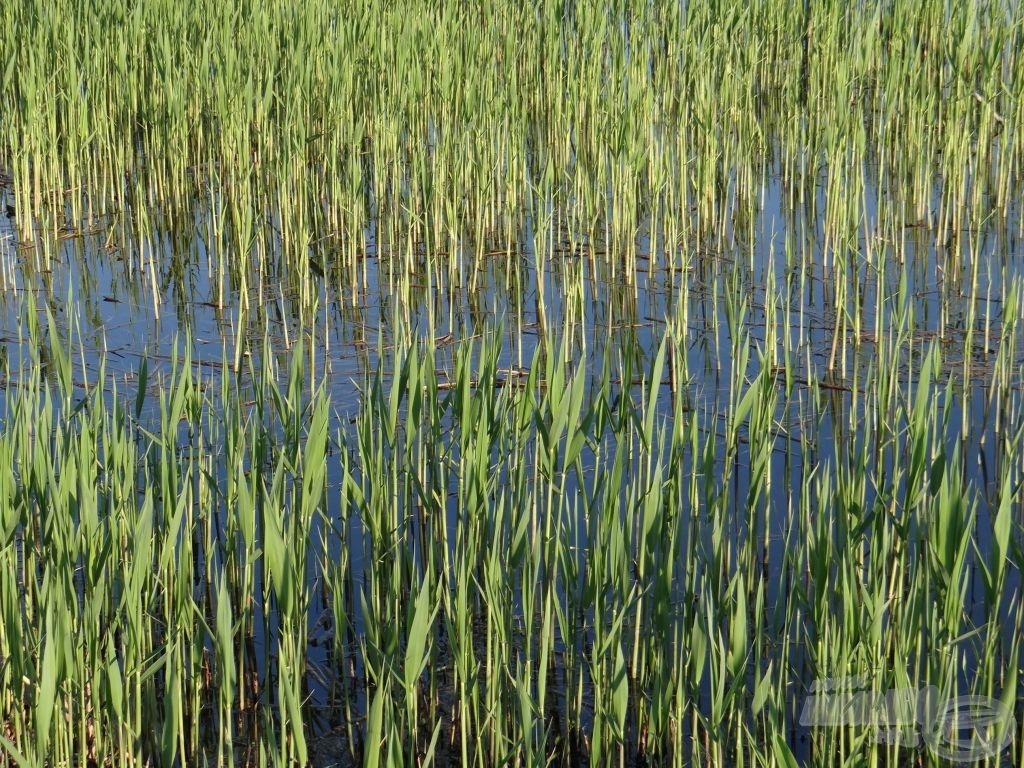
[[778, 290]]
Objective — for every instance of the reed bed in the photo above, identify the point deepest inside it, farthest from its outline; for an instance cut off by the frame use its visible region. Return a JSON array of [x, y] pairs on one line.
[[305, 126], [509, 568], [686, 347]]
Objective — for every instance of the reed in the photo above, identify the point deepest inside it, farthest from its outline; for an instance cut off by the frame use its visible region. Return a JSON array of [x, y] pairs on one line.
[[508, 384]]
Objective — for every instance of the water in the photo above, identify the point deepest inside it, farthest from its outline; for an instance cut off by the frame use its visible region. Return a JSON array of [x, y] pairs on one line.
[[134, 300], [121, 310]]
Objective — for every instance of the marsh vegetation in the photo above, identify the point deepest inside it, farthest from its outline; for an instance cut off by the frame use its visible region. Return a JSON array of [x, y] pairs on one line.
[[508, 383]]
